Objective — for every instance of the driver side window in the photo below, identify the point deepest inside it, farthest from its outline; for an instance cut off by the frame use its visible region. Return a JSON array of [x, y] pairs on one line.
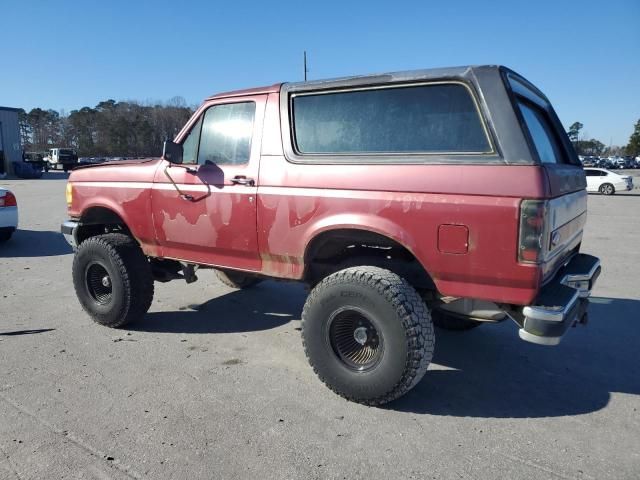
[[226, 134], [221, 136]]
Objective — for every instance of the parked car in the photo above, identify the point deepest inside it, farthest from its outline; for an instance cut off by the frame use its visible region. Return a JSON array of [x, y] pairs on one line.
[[8, 214], [589, 161], [617, 162], [600, 163], [629, 162], [449, 192], [89, 161], [606, 182]]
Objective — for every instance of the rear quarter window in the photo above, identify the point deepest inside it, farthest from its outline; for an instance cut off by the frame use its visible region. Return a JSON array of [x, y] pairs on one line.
[[437, 118], [541, 132]]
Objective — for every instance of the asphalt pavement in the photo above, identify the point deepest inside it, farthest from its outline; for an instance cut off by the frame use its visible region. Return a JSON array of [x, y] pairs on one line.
[[213, 383]]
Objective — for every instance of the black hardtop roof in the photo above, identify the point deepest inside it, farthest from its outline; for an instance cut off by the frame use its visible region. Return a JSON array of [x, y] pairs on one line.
[[394, 77]]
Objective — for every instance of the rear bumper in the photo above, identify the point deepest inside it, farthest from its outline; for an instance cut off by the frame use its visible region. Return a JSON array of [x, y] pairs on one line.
[[561, 303], [68, 229], [9, 217], [623, 186]]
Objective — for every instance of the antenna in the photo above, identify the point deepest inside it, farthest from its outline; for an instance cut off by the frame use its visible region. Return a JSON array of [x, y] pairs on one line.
[[305, 66]]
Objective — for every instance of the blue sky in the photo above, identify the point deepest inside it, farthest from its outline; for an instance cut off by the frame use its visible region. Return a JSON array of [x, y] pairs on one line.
[[67, 54]]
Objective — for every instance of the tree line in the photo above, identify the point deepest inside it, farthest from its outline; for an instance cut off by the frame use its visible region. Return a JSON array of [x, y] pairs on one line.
[[594, 147], [131, 129], [110, 129]]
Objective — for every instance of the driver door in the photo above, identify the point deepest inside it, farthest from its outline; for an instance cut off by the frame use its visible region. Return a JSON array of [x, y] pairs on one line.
[[204, 210]]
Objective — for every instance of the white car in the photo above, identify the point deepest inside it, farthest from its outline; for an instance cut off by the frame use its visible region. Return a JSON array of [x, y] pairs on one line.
[[606, 182], [8, 214]]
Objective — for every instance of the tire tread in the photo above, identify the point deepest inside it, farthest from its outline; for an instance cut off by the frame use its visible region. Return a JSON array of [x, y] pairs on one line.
[[412, 310], [135, 273]]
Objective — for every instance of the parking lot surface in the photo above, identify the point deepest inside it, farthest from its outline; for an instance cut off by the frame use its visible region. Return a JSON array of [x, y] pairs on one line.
[[213, 383]]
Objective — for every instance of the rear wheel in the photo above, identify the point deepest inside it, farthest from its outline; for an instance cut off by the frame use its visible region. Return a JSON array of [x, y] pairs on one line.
[[367, 334], [237, 279], [607, 189], [112, 279]]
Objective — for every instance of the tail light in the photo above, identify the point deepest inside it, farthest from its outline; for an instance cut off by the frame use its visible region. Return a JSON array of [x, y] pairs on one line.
[[9, 200], [533, 214]]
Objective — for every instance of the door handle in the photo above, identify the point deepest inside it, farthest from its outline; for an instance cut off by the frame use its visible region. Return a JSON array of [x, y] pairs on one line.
[[243, 180]]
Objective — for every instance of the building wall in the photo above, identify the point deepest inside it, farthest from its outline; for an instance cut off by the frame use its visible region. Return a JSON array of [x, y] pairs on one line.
[[10, 138]]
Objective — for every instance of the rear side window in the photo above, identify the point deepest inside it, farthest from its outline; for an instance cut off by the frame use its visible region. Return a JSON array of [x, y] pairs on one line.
[[541, 133], [440, 118]]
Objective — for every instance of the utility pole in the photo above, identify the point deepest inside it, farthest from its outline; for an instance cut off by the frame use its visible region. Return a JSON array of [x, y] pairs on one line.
[[305, 66]]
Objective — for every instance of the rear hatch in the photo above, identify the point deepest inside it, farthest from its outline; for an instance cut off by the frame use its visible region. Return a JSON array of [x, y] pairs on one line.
[[561, 217]]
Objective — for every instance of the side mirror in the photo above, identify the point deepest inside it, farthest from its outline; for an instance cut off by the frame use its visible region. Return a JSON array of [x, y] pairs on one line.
[[172, 152]]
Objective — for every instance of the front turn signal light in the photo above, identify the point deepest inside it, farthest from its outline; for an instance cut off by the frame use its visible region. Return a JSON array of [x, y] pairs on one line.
[[69, 193]]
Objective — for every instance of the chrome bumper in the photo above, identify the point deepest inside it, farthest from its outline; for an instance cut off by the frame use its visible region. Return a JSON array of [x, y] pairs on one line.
[[68, 229], [562, 302]]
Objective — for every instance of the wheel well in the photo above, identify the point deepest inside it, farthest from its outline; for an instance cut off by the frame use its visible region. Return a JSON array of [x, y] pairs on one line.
[[337, 249], [98, 220]]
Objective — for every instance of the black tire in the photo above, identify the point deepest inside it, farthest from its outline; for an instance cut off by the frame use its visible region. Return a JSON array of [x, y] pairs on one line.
[[127, 292], [5, 236], [451, 322], [65, 168], [237, 279], [396, 340], [607, 189]]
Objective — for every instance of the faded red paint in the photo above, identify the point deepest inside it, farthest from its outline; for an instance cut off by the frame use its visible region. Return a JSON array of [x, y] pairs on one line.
[[267, 227]]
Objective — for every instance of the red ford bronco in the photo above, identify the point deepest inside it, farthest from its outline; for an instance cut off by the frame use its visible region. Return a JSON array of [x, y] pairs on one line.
[[447, 196]]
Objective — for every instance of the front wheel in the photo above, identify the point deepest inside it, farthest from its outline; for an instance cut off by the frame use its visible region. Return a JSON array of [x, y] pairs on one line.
[[367, 334], [112, 279], [607, 189]]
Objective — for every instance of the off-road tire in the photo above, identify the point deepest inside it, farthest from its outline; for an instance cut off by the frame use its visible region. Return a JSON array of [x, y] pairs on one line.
[[130, 278], [237, 280], [607, 189], [452, 322], [398, 313]]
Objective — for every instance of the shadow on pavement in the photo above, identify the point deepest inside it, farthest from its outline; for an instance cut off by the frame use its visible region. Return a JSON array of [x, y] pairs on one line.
[[57, 175], [494, 374], [35, 243], [26, 332], [265, 306], [485, 372]]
